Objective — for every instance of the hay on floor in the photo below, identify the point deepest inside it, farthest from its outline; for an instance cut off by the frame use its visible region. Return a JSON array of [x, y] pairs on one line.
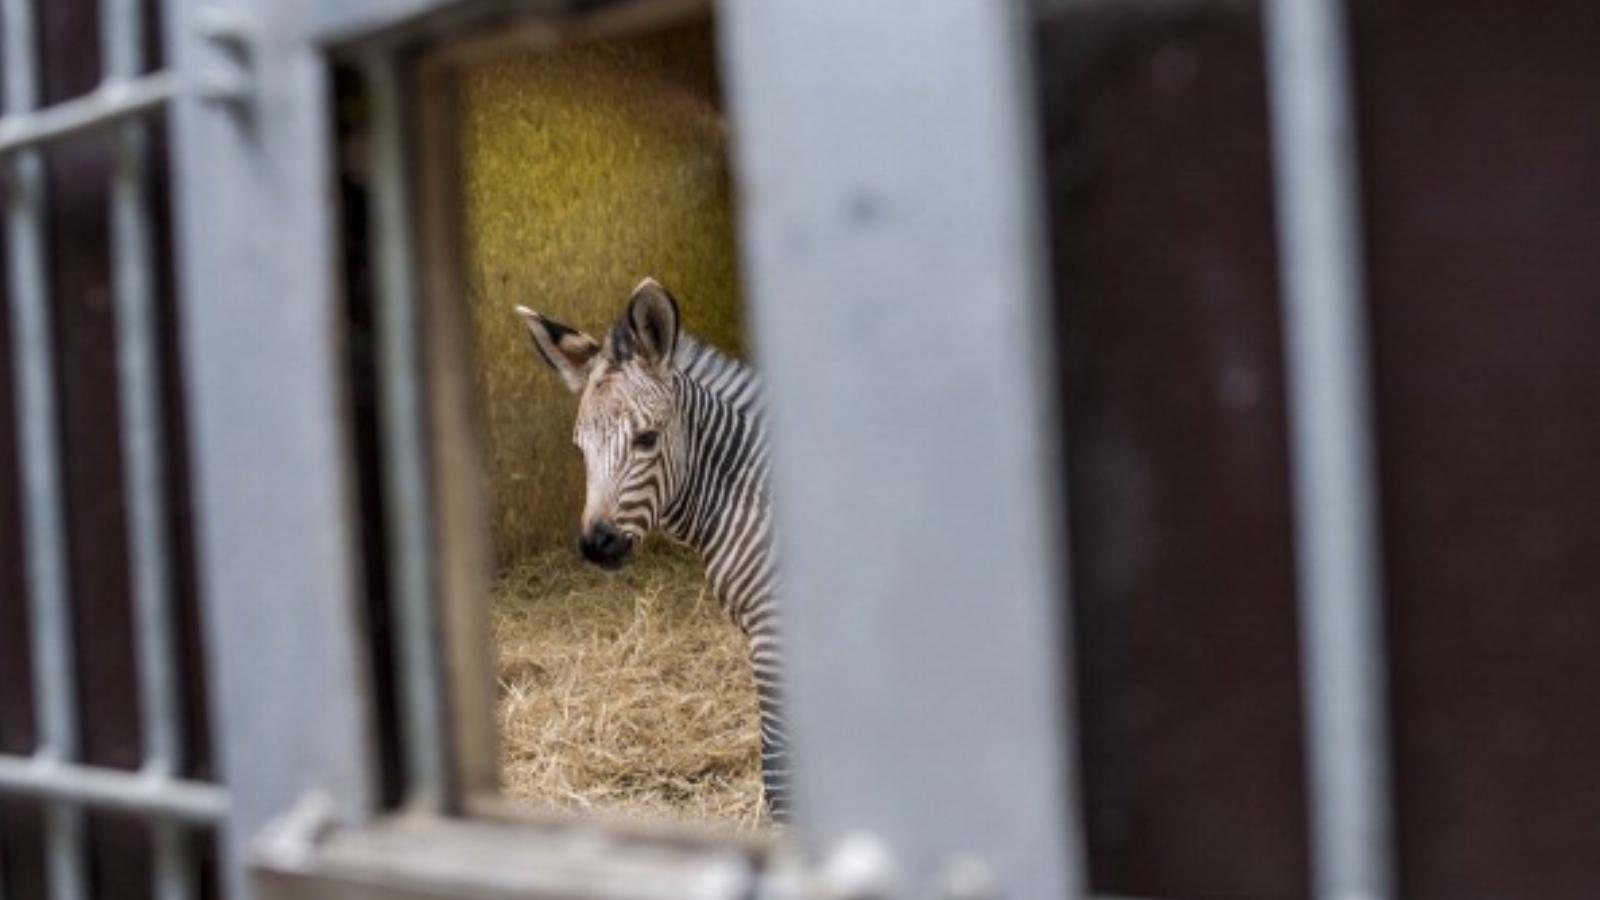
[[625, 692]]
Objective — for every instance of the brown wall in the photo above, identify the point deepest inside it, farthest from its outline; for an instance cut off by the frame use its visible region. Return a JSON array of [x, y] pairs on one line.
[[1480, 153], [1161, 219]]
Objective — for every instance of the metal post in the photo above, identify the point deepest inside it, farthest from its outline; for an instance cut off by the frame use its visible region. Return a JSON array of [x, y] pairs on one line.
[[264, 378], [1331, 450], [144, 446], [404, 428], [890, 214], [32, 343]]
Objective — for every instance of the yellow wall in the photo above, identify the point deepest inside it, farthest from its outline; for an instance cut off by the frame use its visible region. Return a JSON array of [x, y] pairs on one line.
[[587, 168]]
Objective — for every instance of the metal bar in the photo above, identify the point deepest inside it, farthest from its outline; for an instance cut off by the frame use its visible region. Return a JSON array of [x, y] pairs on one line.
[[1331, 450], [404, 427], [139, 378], [32, 343], [432, 856], [121, 39], [138, 793], [265, 380], [882, 215], [144, 445], [21, 129]]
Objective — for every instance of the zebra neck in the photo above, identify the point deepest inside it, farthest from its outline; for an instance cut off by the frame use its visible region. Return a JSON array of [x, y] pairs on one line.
[[726, 378], [721, 507]]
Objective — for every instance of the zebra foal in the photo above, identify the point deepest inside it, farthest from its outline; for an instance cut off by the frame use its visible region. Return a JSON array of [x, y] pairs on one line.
[[672, 436]]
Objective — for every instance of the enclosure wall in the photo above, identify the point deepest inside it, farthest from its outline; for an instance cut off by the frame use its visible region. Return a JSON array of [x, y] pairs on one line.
[[588, 167]]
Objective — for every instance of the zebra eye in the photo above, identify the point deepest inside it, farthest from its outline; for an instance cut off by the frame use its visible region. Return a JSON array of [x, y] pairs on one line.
[[646, 440]]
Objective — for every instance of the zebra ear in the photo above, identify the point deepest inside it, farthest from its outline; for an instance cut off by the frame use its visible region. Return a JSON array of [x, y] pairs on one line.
[[652, 319], [569, 351]]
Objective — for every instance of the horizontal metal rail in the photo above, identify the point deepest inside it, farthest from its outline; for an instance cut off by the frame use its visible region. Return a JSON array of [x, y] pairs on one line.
[[113, 102], [147, 796]]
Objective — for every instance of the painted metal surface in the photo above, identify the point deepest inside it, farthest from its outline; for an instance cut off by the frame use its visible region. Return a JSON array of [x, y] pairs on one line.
[[1331, 450], [892, 259], [333, 21], [54, 773], [260, 311], [119, 100], [413, 582], [137, 794], [143, 444], [897, 278], [54, 676]]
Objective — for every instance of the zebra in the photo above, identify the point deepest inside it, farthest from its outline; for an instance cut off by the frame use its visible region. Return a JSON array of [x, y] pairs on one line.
[[673, 437]]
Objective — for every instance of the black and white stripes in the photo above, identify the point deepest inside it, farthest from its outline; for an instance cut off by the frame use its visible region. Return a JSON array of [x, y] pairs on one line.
[[673, 437], [724, 511]]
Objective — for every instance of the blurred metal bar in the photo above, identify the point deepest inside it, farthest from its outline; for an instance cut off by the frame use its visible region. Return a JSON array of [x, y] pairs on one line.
[[1331, 450], [352, 19], [143, 440], [144, 444], [407, 503], [32, 345], [890, 211], [416, 857], [121, 40], [265, 383], [112, 102], [139, 794]]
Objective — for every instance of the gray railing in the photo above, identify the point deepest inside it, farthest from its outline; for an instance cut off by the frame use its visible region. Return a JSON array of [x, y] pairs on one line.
[[990, 218], [54, 773], [1331, 449]]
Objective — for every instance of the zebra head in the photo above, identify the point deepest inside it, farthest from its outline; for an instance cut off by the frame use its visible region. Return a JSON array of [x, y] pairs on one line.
[[626, 427]]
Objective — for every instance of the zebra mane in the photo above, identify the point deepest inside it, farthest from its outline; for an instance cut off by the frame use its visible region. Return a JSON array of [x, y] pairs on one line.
[[727, 378]]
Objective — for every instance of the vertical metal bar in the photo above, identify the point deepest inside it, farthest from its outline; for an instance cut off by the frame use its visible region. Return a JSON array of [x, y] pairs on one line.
[[405, 473], [121, 39], [884, 219], [264, 383], [1331, 449], [143, 445], [54, 679]]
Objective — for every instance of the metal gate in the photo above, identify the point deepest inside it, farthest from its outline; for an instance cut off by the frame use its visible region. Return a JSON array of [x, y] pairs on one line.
[[896, 238], [245, 92], [176, 807]]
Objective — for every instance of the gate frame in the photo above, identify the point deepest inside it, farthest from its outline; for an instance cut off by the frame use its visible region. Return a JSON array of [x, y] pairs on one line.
[[280, 570]]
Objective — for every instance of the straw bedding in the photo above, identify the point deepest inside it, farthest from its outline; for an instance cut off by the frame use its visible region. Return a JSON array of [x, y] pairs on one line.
[[625, 692]]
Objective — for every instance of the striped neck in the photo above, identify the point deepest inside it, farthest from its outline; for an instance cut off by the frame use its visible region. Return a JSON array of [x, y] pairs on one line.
[[728, 379], [721, 503]]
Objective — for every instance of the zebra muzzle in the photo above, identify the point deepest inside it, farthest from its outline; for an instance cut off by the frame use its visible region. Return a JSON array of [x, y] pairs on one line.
[[605, 546]]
